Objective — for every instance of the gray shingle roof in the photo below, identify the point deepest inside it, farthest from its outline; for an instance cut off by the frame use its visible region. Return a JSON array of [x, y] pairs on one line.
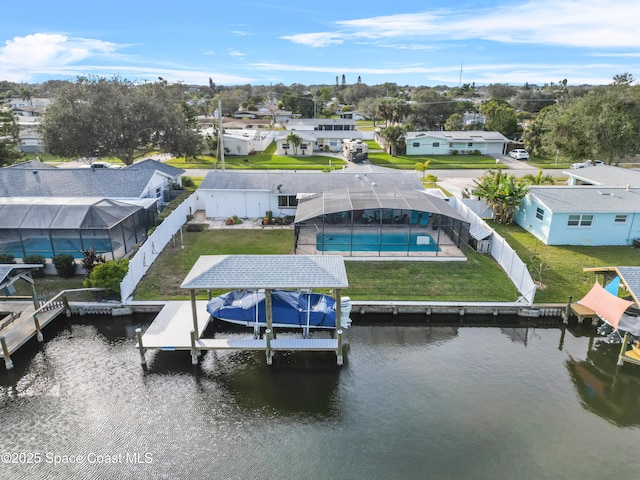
[[293, 183], [153, 165], [267, 271], [462, 136], [607, 176], [588, 199], [631, 277]]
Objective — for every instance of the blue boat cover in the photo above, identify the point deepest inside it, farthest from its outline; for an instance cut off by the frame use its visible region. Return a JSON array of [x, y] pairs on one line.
[[289, 307]]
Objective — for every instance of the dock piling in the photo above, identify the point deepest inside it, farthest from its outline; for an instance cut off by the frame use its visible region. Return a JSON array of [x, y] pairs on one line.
[[143, 360], [623, 349], [268, 350], [194, 351], [340, 358], [8, 363], [567, 311], [39, 335]]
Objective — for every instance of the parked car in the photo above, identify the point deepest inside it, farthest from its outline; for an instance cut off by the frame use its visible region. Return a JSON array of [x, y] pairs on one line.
[[587, 163], [519, 154], [100, 165]]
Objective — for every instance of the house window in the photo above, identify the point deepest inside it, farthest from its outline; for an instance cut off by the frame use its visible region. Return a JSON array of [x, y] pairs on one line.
[[436, 144], [285, 146], [287, 201], [416, 144], [338, 127], [304, 146], [580, 220], [620, 219], [158, 192], [539, 213], [470, 144]]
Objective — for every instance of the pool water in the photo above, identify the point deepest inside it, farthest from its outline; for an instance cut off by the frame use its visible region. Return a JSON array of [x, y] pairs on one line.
[[42, 246], [374, 242]]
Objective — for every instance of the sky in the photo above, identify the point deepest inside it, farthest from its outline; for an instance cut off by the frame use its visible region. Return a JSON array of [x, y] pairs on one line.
[[263, 42]]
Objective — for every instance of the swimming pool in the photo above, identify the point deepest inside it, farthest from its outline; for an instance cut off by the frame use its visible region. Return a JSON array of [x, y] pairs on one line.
[[42, 246], [374, 242]]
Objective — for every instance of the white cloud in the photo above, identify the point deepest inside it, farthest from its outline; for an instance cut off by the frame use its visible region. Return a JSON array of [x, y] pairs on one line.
[[23, 56], [571, 23], [235, 53], [322, 39]]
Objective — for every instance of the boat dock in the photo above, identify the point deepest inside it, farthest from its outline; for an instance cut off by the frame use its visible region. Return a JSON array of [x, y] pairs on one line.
[[180, 325], [22, 322]]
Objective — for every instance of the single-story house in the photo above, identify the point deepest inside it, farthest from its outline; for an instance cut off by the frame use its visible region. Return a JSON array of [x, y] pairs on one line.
[[586, 215], [145, 179], [314, 141], [451, 143], [605, 175], [322, 124], [224, 194]]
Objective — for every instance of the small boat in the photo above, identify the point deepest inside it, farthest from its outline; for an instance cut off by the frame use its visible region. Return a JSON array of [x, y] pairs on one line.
[[290, 309]]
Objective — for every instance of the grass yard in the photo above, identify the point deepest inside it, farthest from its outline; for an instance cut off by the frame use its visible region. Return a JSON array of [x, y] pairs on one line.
[[399, 280], [559, 268], [437, 162], [262, 161]]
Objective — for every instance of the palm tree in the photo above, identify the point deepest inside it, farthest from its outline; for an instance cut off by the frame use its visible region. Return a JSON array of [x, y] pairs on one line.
[[394, 135], [539, 179], [294, 139], [502, 192], [423, 167]]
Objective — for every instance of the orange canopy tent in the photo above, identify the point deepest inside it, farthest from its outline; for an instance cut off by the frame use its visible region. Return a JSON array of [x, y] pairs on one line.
[[607, 306]]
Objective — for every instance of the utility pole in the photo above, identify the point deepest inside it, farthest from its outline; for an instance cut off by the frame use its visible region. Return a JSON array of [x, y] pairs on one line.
[[220, 133]]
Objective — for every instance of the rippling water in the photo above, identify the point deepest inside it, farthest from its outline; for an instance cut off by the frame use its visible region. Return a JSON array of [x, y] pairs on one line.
[[410, 402]]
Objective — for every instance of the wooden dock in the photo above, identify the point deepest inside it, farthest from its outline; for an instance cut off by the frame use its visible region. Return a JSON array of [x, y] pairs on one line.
[[27, 324], [173, 329]]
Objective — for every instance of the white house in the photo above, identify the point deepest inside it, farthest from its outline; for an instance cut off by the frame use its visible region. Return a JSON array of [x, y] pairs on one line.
[[223, 194], [452, 143]]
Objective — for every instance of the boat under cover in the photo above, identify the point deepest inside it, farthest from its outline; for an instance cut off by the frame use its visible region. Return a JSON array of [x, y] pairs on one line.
[[290, 309]]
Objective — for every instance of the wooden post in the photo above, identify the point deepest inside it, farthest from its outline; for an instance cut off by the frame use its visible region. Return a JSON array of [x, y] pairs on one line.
[[143, 360], [268, 351], [194, 351], [36, 305], [567, 310], [623, 349], [65, 302], [8, 363], [340, 358], [194, 310]]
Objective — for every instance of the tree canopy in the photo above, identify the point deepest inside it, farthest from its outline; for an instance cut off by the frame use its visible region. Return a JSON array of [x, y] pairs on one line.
[[9, 140], [98, 117], [502, 192]]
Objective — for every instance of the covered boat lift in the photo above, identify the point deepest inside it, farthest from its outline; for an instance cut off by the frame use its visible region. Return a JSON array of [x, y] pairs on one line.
[[175, 331]]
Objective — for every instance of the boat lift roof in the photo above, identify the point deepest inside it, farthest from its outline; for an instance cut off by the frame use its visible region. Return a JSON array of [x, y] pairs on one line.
[[629, 276], [266, 271]]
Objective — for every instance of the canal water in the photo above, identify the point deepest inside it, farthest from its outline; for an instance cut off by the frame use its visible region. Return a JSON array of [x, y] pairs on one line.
[[410, 402]]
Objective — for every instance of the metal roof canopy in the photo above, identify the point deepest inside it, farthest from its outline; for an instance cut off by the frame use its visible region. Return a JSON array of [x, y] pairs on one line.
[[364, 198], [266, 271], [629, 276], [479, 232], [7, 268]]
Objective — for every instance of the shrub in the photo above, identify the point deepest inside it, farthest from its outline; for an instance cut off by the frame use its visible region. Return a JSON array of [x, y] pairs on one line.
[[197, 227], [65, 265], [108, 275], [432, 178], [454, 152], [7, 258], [35, 259], [187, 182], [90, 259]]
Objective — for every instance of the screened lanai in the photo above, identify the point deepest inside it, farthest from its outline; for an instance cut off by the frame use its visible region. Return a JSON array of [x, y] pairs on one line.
[[52, 226], [375, 222]]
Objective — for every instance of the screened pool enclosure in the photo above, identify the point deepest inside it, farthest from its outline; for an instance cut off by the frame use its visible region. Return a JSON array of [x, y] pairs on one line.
[[374, 222], [52, 226]]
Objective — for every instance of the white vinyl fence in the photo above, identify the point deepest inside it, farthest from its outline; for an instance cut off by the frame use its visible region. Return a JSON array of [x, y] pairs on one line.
[[150, 249], [506, 257]]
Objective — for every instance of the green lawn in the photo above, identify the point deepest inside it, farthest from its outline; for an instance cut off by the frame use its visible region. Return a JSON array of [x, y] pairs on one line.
[[399, 280], [559, 268], [262, 161], [438, 162]]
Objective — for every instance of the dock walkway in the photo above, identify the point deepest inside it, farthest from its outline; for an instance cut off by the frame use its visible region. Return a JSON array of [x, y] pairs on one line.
[[172, 327], [15, 334]]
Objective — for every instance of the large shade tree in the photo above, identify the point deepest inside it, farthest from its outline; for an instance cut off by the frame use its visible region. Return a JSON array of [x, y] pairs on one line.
[[9, 140], [98, 117]]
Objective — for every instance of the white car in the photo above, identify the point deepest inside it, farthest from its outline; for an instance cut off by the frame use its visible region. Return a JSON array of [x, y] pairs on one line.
[[519, 154], [100, 165], [587, 163]]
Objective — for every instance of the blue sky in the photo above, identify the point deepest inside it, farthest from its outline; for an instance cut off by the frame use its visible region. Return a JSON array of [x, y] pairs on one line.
[[280, 41]]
